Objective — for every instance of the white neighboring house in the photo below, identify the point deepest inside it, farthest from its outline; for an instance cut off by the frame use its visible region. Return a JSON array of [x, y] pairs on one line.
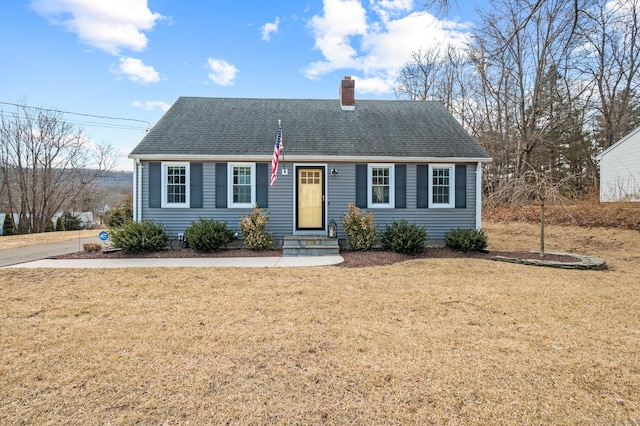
[[620, 169], [86, 218]]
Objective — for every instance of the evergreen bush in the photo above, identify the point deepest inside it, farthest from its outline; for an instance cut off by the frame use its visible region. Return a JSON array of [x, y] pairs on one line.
[[139, 237], [8, 226], [71, 222], [50, 227], [404, 237], [120, 213], [208, 235], [59, 224], [466, 239], [254, 229], [360, 229]]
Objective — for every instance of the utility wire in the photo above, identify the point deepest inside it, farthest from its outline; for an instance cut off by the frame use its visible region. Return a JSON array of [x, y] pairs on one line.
[[82, 123], [81, 114]]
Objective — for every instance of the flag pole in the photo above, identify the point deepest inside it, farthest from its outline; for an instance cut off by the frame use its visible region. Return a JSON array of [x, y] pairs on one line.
[[277, 149], [284, 163]]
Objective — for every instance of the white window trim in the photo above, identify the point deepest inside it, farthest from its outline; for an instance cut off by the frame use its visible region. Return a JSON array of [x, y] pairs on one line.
[[230, 203], [187, 202], [392, 186], [452, 186]]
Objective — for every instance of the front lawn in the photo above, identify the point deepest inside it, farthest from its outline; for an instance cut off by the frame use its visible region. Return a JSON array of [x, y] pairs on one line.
[[431, 341]]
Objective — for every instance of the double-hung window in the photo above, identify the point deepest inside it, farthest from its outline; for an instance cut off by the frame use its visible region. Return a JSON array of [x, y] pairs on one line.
[[441, 185], [380, 179], [242, 185], [175, 184]]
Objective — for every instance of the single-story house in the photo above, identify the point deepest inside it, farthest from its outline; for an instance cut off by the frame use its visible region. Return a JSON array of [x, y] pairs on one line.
[[212, 158], [620, 169]]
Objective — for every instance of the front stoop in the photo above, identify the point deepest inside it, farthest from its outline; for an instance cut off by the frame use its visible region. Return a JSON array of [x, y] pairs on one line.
[[309, 246]]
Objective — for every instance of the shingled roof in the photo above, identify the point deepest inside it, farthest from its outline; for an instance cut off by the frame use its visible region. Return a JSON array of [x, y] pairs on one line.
[[312, 129]]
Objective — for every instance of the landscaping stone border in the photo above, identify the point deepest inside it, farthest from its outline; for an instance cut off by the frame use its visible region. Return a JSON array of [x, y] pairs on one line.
[[591, 263]]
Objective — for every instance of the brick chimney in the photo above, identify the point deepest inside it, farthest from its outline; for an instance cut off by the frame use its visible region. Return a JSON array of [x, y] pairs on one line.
[[347, 94]]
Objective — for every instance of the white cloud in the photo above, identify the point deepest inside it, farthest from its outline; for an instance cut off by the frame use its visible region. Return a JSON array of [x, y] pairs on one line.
[[149, 105], [377, 42], [342, 20], [136, 71], [107, 25], [377, 85], [388, 8], [269, 28], [221, 72]]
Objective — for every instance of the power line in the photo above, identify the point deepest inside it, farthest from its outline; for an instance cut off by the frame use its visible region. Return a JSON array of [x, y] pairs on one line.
[[16, 115], [81, 114]]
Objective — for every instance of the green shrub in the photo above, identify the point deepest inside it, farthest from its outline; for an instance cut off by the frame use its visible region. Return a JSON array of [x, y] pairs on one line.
[[50, 227], [360, 229], [71, 222], [120, 213], [59, 224], [208, 235], [466, 239], [139, 237], [254, 229], [8, 227], [404, 237]]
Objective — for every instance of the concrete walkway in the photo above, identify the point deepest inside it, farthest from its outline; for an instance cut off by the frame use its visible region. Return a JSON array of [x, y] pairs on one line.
[[201, 262], [41, 256]]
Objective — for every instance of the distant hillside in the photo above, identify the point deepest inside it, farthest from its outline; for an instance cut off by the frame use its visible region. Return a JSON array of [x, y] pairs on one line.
[[116, 179]]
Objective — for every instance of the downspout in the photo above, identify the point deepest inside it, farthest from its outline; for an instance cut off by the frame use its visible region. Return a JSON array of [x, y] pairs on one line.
[[137, 191], [479, 196], [134, 207]]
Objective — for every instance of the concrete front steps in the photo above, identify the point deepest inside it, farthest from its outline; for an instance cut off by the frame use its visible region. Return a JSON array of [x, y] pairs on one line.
[[309, 246]]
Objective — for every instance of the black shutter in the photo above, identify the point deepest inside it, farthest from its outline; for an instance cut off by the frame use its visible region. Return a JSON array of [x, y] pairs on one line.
[[401, 186], [422, 186], [461, 186], [195, 183], [262, 185], [361, 186], [155, 185], [221, 185]]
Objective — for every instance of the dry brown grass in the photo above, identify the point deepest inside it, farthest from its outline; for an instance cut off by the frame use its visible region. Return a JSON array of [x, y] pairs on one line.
[[587, 213], [16, 241], [457, 341]]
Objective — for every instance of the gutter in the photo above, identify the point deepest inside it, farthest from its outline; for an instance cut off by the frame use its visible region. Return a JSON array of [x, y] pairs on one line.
[[310, 158]]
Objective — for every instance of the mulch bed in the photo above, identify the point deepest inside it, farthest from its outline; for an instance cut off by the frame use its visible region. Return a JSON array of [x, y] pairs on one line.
[[352, 259]]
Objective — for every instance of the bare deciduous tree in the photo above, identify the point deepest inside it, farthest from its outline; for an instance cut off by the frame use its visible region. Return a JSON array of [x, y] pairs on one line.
[[542, 84], [46, 163], [609, 33]]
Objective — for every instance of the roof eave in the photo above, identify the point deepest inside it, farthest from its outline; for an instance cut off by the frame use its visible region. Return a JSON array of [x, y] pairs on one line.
[[617, 143], [306, 158]]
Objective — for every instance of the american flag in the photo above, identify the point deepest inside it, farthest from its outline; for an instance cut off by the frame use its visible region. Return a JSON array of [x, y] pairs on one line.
[[277, 149]]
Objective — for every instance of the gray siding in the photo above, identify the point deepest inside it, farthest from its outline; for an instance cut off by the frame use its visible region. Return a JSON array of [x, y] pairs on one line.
[[341, 190]]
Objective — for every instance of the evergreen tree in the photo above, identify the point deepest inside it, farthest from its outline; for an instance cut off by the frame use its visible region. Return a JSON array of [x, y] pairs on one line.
[[71, 222], [8, 227], [50, 227]]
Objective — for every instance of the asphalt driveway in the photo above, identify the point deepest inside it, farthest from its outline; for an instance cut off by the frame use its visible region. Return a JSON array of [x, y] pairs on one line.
[[28, 254]]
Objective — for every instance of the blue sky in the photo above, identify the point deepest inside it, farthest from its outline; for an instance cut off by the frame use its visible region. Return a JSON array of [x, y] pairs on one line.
[[133, 58]]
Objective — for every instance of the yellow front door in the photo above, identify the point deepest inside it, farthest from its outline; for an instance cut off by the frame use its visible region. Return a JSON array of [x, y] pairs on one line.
[[310, 212]]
